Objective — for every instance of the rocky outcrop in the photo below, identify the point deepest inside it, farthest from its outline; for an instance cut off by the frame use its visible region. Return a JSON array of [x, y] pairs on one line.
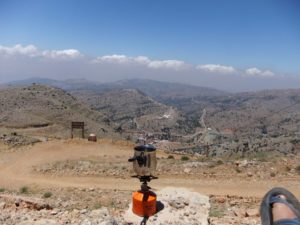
[[180, 207], [177, 206]]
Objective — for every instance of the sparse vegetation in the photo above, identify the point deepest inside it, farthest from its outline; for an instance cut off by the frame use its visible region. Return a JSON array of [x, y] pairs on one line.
[[24, 190], [226, 144], [215, 212], [261, 156], [47, 194], [112, 204], [220, 162], [97, 206], [185, 158]]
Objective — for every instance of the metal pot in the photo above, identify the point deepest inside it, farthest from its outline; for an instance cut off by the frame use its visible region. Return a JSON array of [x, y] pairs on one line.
[[144, 160]]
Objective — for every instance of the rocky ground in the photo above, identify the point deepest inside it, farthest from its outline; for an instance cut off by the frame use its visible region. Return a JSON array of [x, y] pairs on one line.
[[234, 210], [80, 182], [29, 211], [14, 140], [179, 206], [258, 169]]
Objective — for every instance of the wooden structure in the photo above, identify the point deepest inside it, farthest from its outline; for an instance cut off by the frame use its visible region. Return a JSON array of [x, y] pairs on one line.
[[77, 125]]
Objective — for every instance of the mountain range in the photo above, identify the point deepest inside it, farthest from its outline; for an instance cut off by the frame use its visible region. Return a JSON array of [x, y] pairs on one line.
[[171, 111]]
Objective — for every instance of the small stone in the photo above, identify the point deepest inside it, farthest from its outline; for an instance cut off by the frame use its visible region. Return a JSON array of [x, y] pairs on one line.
[[65, 204], [240, 213], [187, 170], [186, 214], [2, 205], [220, 199], [83, 211], [178, 204], [233, 202], [244, 163], [17, 202], [54, 212], [252, 213]]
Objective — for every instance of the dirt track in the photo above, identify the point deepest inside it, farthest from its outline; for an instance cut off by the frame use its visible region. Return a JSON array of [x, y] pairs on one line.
[[16, 171]]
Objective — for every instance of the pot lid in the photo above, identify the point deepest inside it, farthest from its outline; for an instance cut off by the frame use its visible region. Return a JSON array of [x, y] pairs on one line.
[[148, 148]]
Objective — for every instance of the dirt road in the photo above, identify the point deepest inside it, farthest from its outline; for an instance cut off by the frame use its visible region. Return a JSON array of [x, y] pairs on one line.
[[16, 171]]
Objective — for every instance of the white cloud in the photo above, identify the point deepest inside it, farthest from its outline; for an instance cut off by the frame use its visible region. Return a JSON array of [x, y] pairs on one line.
[[23, 61], [253, 71], [142, 60], [257, 72], [33, 51], [29, 50], [167, 64], [112, 59], [68, 53], [216, 68]]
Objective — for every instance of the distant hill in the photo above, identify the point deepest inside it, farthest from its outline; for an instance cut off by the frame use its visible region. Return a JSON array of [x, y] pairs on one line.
[[135, 111], [70, 84], [39, 106], [161, 91], [254, 122], [278, 110]]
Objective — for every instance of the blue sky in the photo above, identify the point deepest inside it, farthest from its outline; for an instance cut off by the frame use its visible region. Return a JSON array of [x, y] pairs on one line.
[[263, 34]]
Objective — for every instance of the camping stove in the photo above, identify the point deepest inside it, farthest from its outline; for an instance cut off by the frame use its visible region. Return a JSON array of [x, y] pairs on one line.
[[144, 165]]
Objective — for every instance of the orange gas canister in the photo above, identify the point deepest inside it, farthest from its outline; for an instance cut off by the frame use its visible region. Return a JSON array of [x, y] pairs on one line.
[[144, 203]]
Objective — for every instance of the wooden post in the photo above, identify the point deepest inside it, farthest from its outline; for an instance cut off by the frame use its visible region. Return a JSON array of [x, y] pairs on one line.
[[245, 149], [207, 150], [77, 125]]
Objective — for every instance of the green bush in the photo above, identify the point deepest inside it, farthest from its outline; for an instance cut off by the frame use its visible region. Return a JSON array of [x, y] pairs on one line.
[[184, 158], [170, 157], [47, 195], [24, 190], [220, 162], [2, 189]]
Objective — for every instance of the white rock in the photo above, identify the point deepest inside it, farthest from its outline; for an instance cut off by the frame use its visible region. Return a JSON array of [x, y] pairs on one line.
[[181, 207], [2, 205], [187, 170], [54, 212]]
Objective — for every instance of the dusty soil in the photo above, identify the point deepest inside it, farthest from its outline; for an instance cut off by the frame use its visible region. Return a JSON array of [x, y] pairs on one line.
[[16, 169], [82, 174]]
